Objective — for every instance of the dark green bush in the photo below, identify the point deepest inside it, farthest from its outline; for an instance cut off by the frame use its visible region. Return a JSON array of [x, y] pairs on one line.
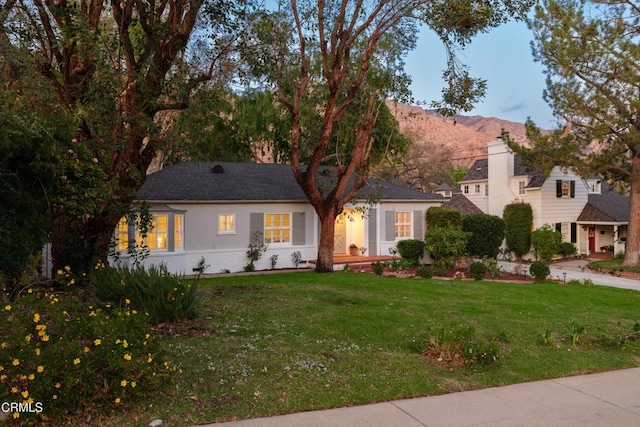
[[72, 356], [546, 242], [445, 242], [486, 234], [478, 270], [164, 296], [411, 250], [539, 270], [377, 267], [567, 249], [424, 271], [443, 218], [518, 220]]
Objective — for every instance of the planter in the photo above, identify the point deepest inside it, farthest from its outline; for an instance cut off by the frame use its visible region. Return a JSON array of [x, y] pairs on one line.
[[353, 251]]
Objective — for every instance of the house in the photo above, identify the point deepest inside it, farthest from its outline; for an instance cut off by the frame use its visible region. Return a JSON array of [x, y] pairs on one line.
[[587, 211], [208, 214]]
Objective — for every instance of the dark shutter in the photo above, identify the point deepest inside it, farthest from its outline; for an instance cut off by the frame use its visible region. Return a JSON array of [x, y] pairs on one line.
[[559, 227], [298, 229], [390, 226], [373, 241], [417, 225], [573, 189], [256, 225], [574, 232], [558, 188]]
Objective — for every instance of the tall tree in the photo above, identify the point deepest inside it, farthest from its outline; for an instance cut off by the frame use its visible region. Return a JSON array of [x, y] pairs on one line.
[[591, 54], [344, 59], [113, 68]]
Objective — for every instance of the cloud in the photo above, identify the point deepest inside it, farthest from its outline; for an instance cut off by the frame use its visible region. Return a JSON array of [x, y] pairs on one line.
[[517, 107]]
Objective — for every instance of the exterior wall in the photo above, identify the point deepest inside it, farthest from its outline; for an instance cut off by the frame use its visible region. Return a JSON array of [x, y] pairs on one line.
[[500, 173], [387, 242], [477, 198], [560, 209]]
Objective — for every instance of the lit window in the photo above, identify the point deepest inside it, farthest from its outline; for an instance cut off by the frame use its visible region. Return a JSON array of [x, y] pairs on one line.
[[565, 188], [403, 224], [226, 223], [277, 228], [156, 238], [123, 234], [178, 232]]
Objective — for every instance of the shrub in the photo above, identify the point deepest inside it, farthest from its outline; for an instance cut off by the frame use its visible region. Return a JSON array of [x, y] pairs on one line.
[[445, 242], [492, 267], [72, 356], [443, 218], [567, 249], [411, 250], [546, 242], [518, 220], [486, 234], [539, 270], [478, 270], [424, 271], [164, 296], [377, 267]]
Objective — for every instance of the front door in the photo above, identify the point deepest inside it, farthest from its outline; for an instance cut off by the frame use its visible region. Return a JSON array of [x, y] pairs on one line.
[[340, 235], [592, 239]]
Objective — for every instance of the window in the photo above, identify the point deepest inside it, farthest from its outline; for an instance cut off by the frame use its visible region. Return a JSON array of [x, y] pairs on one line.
[[156, 238], [465, 189], [226, 223], [521, 185], [564, 230], [403, 224], [122, 234], [277, 228], [486, 190], [178, 232], [476, 189], [565, 188]]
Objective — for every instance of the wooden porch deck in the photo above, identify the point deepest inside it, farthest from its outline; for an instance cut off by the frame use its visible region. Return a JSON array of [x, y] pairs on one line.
[[358, 262]]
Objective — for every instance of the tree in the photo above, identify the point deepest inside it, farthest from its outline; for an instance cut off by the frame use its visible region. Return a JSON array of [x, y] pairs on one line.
[[344, 59], [591, 55], [546, 242], [113, 68], [518, 220], [486, 234]]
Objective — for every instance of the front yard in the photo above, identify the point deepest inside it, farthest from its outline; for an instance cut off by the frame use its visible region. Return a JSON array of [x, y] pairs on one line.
[[281, 343]]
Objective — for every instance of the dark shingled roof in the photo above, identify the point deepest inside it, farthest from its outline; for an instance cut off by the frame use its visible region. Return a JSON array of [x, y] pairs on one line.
[[480, 171], [195, 181], [609, 206], [461, 204], [443, 187]]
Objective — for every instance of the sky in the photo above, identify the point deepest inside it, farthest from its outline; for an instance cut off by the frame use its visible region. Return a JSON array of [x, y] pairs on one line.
[[503, 58]]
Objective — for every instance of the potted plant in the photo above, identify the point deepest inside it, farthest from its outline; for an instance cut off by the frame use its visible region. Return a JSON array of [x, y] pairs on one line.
[[353, 249]]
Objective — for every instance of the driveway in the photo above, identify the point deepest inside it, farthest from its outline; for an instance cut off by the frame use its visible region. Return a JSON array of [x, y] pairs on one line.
[[577, 270]]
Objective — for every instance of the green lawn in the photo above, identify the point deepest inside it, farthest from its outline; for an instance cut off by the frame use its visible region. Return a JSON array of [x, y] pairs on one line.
[[613, 265], [274, 344]]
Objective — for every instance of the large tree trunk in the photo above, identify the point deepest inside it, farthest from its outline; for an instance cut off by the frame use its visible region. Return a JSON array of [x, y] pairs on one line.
[[632, 248], [326, 244]]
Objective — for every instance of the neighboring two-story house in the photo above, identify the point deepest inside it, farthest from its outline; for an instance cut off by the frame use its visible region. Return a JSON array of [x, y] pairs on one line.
[[587, 211]]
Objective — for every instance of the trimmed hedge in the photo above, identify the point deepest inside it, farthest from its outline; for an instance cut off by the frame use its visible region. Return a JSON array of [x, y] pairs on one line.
[[539, 270], [443, 218], [518, 220], [487, 233], [411, 250]]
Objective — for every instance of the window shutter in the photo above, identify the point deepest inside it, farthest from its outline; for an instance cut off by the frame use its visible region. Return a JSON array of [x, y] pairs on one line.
[[256, 225], [298, 228], [417, 225], [373, 241], [574, 232], [572, 189], [558, 188], [390, 226], [559, 227]]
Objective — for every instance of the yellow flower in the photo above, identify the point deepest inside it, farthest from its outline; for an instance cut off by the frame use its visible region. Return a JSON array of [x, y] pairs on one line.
[[31, 377], [133, 384], [117, 400], [59, 272], [28, 338], [3, 377], [127, 356], [72, 281], [16, 415], [149, 359], [118, 341], [45, 337], [14, 389], [25, 394], [57, 385], [3, 345], [37, 351], [40, 369], [123, 383], [125, 344], [76, 361], [97, 341], [66, 267], [127, 301], [7, 307], [15, 362], [36, 317], [54, 397], [86, 349]]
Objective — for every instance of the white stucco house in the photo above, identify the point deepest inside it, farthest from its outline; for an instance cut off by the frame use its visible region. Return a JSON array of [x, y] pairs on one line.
[[587, 211], [213, 211]]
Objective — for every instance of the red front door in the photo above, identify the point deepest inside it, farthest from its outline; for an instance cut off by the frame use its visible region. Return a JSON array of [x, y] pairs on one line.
[[592, 239]]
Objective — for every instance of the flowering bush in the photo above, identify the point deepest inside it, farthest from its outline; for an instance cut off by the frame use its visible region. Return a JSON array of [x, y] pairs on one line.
[[63, 354], [353, 246], [459, 275]]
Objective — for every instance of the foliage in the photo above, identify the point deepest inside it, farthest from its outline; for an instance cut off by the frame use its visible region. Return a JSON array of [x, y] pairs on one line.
[[377, 268], [492, 267], [443, 218], [546, 242], [486, 234], [445, 242], [256, 248], [539, 270], [273, 260], [152, 290], [296, 258], [459, 173], [590, 56], [70, 356], [576, 330], [478, 270], [567, 249], [518, 220], [424, 271], [411, 250]]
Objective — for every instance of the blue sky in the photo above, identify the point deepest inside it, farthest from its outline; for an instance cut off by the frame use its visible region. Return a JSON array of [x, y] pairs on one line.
[[503, 58]]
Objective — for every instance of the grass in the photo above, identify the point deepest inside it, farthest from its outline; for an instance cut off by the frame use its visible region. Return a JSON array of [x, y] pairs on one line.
[[282, 343], [613, 265]]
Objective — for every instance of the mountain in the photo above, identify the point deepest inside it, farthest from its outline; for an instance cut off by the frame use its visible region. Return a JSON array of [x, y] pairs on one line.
[[466, 136]]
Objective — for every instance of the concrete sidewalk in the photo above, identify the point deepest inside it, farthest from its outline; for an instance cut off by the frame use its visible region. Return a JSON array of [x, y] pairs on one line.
[[609, 399]]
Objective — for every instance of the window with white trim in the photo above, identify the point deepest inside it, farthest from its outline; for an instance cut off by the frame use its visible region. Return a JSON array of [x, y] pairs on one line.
[[566, 185], [403, 224], [166, 233], [122, 234], [226, 223], [156, 238], [465, 189], [178, 232], [476, 189], [521, 186], [277, 228]]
